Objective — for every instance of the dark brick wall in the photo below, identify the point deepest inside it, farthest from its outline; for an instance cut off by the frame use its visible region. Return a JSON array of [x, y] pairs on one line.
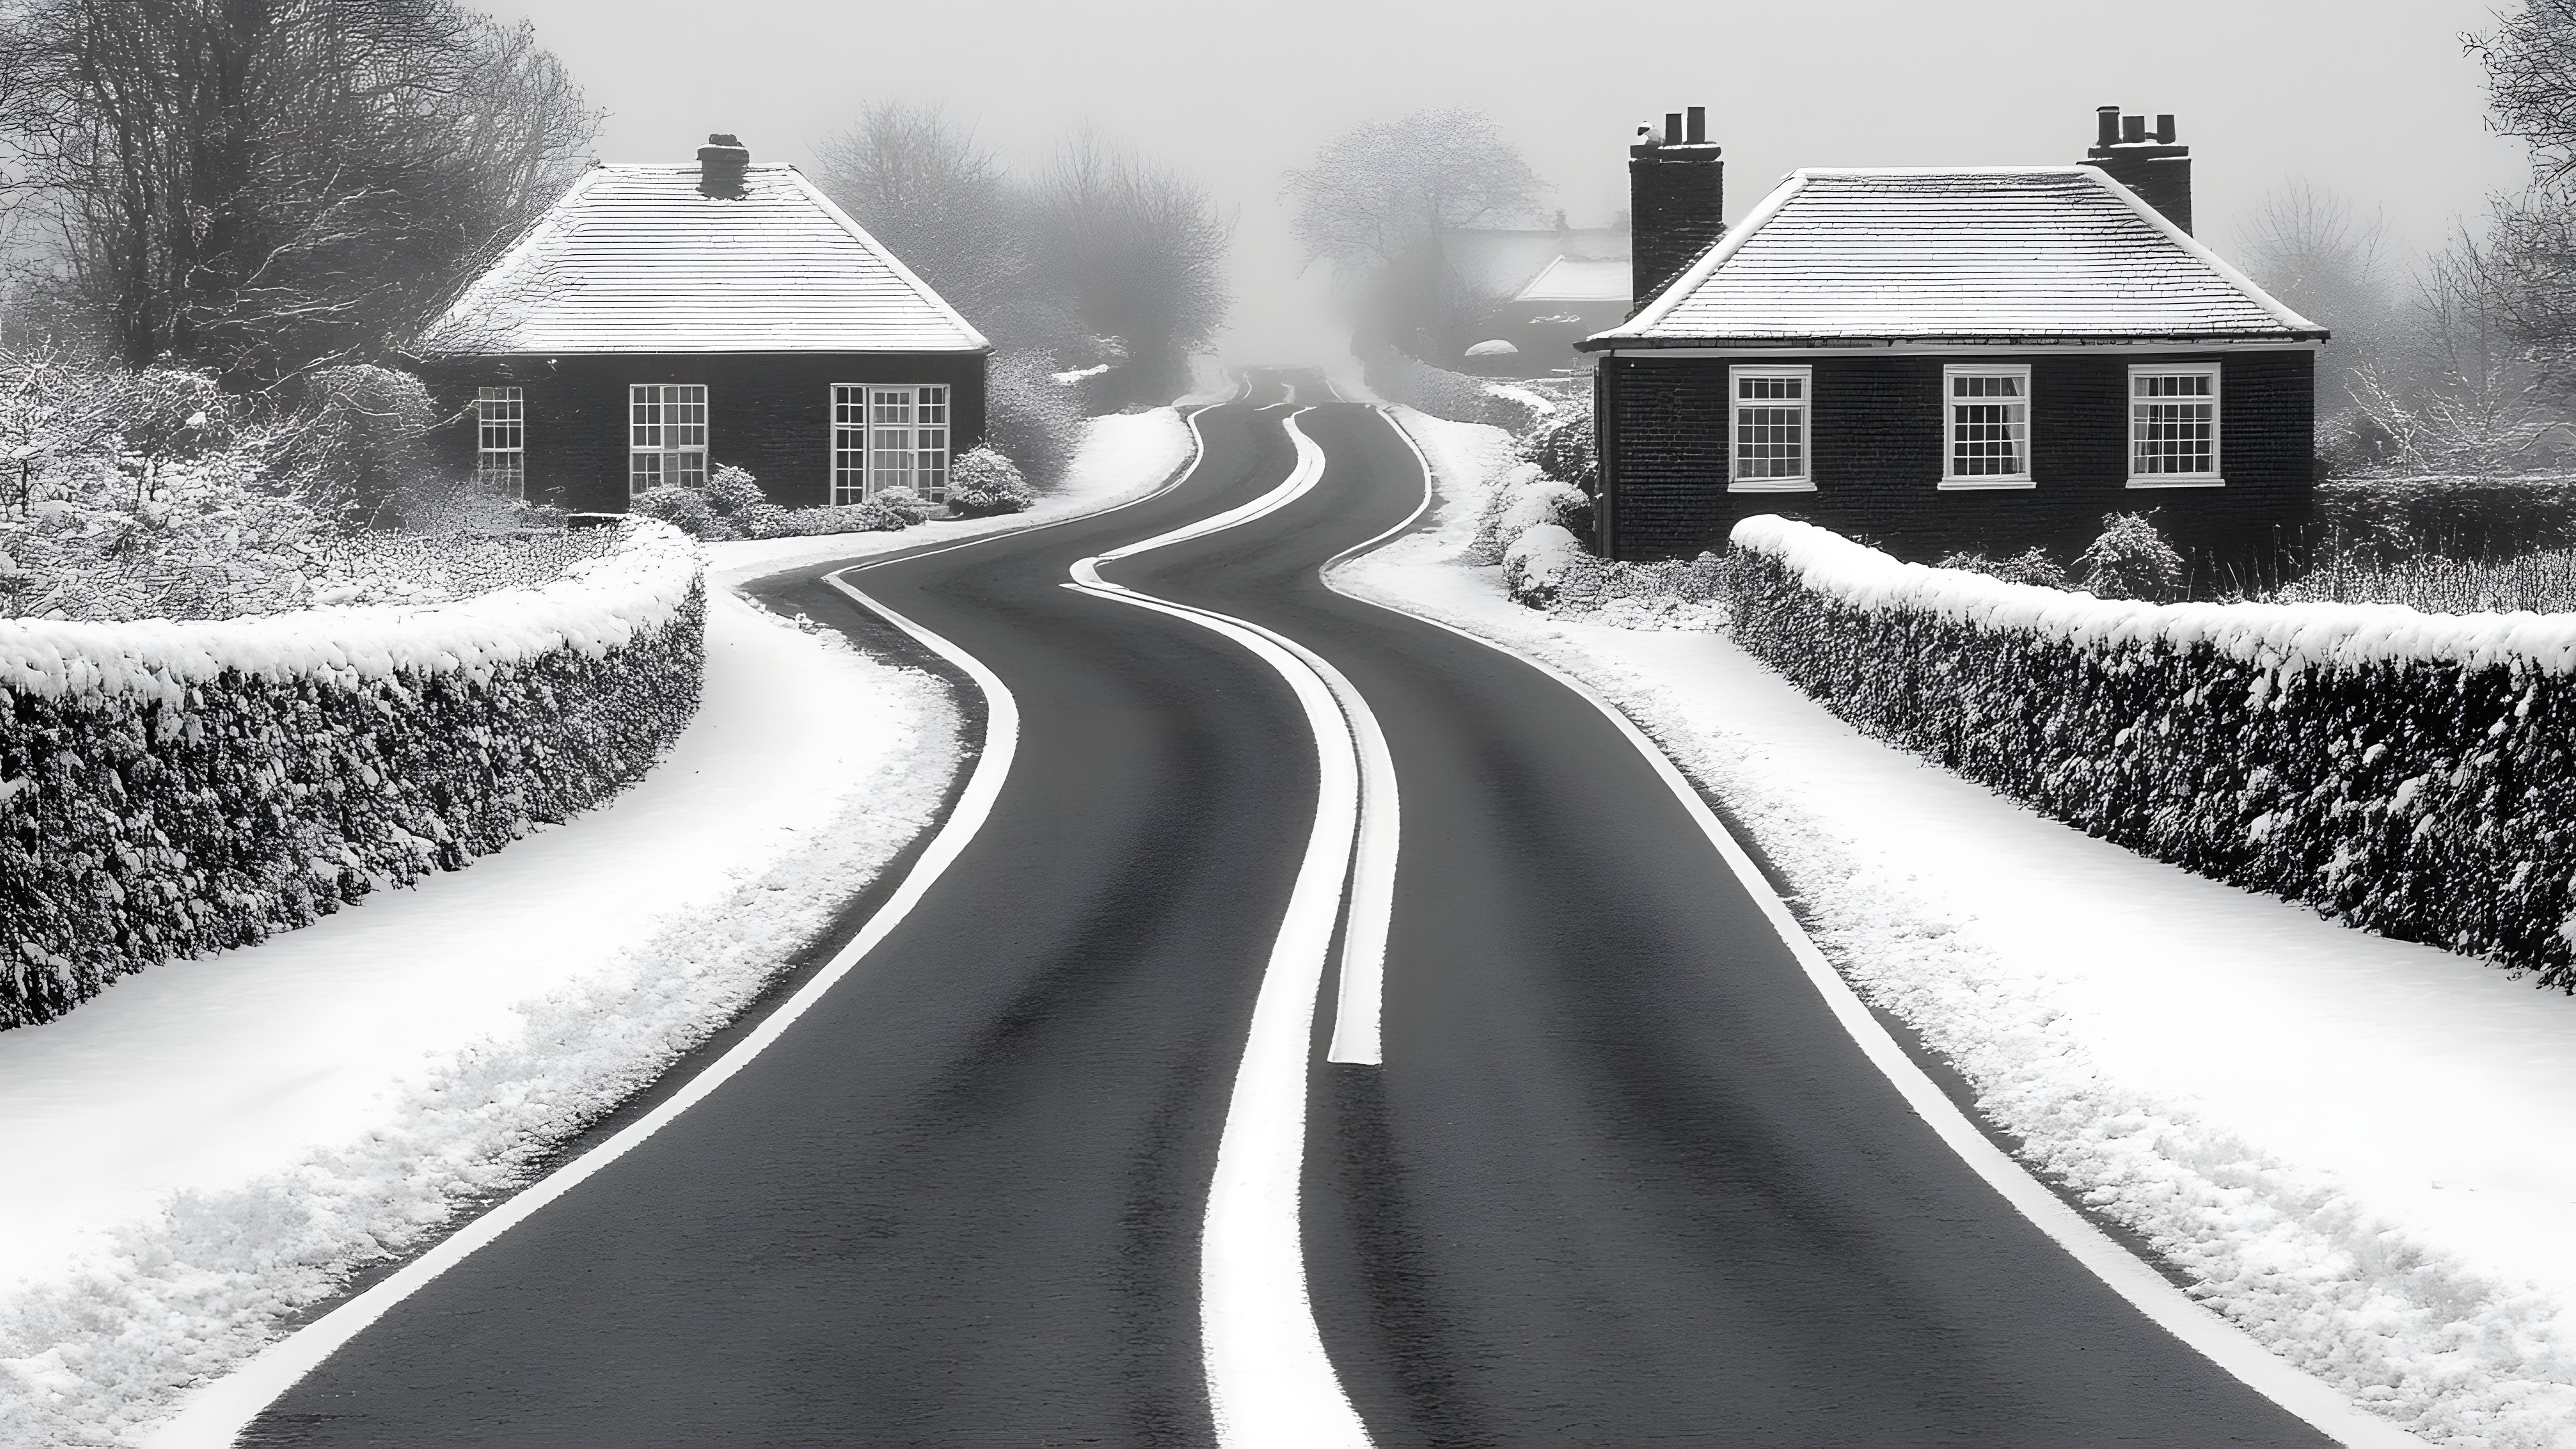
[[771, 414], [1878, 436]]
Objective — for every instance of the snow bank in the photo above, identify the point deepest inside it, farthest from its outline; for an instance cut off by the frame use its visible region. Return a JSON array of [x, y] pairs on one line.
[[172, 788], [2409, 773], [2342, 1141], [209, 1149]]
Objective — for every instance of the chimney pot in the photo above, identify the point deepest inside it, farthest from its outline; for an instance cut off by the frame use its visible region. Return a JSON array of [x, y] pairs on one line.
[[2133, 129], [2164, 130], [2107, 123], [1672, 128], [2159, 175], [1696, 132]]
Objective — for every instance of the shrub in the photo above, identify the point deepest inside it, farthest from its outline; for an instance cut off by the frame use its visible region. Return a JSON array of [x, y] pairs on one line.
[[2030, 566], [167, 790], [732, 492], [1029, 418], [2130, 559], [359, 439], [1561, 446], [2381, 520], [1522, 500], [984, 482], [2407, 773], [685, 509], [1536, 564]]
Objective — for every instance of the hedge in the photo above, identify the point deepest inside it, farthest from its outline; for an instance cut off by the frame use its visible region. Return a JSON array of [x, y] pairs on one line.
[[2412, 774], [173, 788], [2457, 517]]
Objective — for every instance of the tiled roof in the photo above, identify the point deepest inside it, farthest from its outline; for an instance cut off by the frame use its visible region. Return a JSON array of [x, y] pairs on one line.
[[637, 259], [2042, 253], [1580, 279]]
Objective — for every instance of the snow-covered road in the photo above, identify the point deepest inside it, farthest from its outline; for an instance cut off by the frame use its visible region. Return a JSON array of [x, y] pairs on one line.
[[2355, 1145]]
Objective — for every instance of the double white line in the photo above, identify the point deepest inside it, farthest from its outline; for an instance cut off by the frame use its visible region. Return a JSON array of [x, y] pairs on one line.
[[1269, 1380]]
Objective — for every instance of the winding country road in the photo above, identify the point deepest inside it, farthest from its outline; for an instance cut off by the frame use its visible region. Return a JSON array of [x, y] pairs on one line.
[[1051, 1167]]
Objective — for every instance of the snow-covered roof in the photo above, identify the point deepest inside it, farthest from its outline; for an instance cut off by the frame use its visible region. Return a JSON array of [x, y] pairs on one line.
[[638, 259], [1499, 261], [2046, 253], [1580, 279]]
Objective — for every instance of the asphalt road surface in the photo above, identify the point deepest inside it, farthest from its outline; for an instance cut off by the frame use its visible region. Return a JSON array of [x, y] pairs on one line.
[[1621, 1180]]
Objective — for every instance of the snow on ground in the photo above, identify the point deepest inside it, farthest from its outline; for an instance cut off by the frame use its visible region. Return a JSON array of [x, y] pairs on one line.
[[2356, 1147], [205, 1148], [1124, 456]]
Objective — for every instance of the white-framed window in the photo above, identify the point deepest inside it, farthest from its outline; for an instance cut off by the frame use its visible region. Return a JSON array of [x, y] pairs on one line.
[[1769, 427], [1987, 434], [2173, 426], [666, 436], [889, 437], [501, 440]]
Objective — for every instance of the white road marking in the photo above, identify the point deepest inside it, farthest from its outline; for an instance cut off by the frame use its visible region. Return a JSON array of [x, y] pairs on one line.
[[2311, 1399], [215, 1414], [1271, 1385]]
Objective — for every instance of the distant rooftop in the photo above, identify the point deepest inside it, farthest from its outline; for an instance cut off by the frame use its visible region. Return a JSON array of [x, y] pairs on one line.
[[1580, 279], [2053, 253], [640, 259]]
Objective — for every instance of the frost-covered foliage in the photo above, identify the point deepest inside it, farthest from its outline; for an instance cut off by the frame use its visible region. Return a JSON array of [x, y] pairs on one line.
[[2130, 559], [984, 482], [1561, 445], [732, 505], [2030, 566], [2540, 583], [1522, 499], [1445, 394], [2403, 772], [2455, 515], [359, 438], [167, 789], [200, 538], [1029, 419], [1536, 564]]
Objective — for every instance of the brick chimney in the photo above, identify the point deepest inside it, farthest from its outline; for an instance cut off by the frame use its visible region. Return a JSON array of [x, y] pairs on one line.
[[721, 164], [1676, 201], [2145, 161]]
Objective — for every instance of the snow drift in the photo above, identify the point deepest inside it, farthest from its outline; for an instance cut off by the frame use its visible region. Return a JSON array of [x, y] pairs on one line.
[[2405, 772], [170, 788]]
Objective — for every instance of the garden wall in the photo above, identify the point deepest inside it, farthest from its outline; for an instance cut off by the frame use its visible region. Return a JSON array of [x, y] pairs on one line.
[[173, 788], [2410, 773]]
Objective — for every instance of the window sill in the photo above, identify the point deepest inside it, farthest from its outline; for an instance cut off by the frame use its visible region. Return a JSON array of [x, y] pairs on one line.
[[2161, 481], [1773, 485], [1981, 485]]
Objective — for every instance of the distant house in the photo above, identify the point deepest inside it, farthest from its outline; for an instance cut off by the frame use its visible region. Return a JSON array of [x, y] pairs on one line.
[[1940, 359], [661, 321], [1541, 289]]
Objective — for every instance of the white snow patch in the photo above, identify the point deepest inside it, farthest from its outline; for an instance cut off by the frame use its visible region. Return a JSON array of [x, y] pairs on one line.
[[2356, 1147]]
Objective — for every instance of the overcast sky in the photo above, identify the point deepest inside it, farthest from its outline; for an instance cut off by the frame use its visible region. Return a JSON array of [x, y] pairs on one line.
[[2372, 100]]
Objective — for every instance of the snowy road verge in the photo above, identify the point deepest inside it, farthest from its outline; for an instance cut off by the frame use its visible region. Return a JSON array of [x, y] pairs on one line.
[[206, 1151], [2351, 1146]]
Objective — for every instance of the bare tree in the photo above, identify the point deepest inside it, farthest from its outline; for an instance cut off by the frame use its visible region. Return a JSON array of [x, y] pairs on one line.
[[922, 184], [1381, 188], [1137, 250], [2530, 61], [266, 186], [2458, 390]]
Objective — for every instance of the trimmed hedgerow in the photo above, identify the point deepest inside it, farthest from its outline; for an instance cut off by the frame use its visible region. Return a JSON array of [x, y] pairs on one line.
[[2408, 773], [168, 789]]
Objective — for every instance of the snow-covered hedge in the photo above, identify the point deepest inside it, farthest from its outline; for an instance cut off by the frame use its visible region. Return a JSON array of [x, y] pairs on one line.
[[2411, 773], [171, 788]]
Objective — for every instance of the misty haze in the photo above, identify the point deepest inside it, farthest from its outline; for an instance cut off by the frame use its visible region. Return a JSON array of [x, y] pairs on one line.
[[1385, 725]]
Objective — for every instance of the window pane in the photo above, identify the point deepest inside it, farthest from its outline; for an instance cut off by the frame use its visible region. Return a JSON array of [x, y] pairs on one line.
[[646, 472], [1770, 442]]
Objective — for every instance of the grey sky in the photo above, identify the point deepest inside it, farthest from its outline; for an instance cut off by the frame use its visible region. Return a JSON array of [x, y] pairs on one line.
[[2370, 99]]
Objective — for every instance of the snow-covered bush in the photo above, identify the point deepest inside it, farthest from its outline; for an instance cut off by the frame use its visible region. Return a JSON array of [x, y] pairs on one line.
[[1562, 447], [1444, 394], [686, 509], [2130, 559], [2385, 519], [2408, 773], [1523, 499], [168, 789], [1029, 418], [985, 482], [359, 438], [1536, 564], [2030, 566], [131, 538]]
